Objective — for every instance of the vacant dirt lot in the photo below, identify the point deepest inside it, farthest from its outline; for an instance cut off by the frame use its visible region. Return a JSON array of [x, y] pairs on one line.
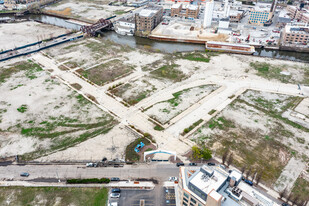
[[253, 129], [39, 115], [166, 110], [94, 10], [52, 196], [34, 32]]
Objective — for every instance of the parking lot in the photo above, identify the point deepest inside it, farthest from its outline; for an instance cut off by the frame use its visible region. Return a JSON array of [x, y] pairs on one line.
[[158, 196]]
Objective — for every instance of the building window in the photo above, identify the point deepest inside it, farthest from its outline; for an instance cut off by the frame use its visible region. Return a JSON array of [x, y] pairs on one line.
[[193, 200], [186, 195], [185, 199]]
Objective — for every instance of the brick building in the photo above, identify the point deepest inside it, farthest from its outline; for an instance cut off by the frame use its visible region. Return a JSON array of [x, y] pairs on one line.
[[187, 11], [296, 35], [147, 19]]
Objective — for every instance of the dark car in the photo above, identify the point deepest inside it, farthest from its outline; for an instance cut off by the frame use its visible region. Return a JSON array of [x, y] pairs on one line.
[[211, 164], [248, 182], [25, 174], [116, 190], [285, 204], [192, 164], [115, 179], [180, 164]]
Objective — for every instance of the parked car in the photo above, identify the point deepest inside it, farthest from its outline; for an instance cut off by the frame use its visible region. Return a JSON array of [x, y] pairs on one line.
[[116, 190], [248, 182], [192, 164], [179, 164], [172, 179], [89, 164], [211, 164], [114, 195], [285, 204], [222, 166], [115, 179], [25, 174]]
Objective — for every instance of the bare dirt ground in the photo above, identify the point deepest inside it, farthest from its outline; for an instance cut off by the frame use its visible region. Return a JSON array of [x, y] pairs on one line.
[[18, 34], [38, 114], [253, 129], [111, 145], [87, 10], [166, 110]]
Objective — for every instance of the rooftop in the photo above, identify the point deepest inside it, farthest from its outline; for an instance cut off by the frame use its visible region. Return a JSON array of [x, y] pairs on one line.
[[297, 29], [149, 11]]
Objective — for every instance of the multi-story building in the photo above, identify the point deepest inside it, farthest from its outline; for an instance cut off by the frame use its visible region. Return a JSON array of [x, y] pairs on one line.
[[209, 8], [259, 16], [147, 19], [125, 26], [299, 14], [292, 10], [295, 35], [236, 16], [213, 186], [10, 4], [187, 11]]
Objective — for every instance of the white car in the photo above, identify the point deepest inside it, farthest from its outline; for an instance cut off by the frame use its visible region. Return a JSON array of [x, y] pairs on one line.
[[172, 179], [114, 195]]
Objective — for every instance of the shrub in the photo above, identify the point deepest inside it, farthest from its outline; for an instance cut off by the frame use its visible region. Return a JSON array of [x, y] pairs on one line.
[[88, 181]]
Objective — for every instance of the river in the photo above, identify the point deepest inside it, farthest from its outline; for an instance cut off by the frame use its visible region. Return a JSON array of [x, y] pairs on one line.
[[168, 47]]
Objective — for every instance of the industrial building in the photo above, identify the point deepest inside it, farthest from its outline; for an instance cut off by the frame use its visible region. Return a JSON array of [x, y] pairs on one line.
[[147, 19], [295, 35], [213, 186], [187, 11]]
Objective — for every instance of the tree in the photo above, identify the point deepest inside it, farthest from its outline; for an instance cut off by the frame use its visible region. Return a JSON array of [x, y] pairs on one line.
[[295, 199], [288, 198], [253, 176], [206, 153], [282, 193], [243, 169], [230, 159], [224, 156], [258, 178], [196, 152], [248, 173]]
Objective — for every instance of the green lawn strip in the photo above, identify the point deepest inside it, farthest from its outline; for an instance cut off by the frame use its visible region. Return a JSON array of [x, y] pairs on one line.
[[195, 124], [169, 72], [131, 155], [158, 128], [88, 181], [53, 196]]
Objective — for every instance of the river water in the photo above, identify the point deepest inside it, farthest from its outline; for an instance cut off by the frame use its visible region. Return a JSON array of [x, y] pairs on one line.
[[169, 47]]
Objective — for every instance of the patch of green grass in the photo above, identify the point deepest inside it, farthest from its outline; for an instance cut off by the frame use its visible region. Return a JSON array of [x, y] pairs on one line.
[[119, 12], [301, 189], [169, 72], [131, 155], [53, 196], [29, 67], [106, 72], [220, 123], [212, 111], [158, 128], [149, 149], [196, 56], [195, 124], [23, 108], [269, 71]]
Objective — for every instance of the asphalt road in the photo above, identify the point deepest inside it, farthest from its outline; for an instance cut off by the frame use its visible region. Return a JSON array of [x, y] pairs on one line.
[[159, 171]]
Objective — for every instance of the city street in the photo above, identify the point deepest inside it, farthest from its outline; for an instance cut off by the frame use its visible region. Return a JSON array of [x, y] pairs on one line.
[[161, 172]]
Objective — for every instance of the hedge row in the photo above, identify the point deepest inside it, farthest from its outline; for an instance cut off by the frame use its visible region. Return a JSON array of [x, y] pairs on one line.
[[88, 181]]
